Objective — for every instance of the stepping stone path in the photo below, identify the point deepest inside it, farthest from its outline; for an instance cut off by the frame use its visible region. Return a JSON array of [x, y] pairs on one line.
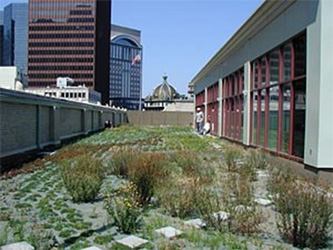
[[262, 174], [197, 223], [240, 162], [215, 145], [132, 242], [169, 232], [18, 246], [242, 208], [221, 215], [263, 202]]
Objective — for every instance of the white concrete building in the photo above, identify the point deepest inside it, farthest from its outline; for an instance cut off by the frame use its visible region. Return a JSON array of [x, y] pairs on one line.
[[79, 94]]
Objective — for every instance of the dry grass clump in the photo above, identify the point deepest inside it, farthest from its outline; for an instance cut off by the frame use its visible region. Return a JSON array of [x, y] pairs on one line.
[[181, 194], [257, 159], [181, 197], [120, 160], [147, 171], [245, 219], [232, 155], [235, 196], [83, 177], [77, 150], [306, 211], [190, 164]]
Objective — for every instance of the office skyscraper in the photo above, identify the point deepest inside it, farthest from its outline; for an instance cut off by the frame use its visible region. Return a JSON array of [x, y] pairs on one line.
[[70, 38], [15, 36], [125, 67]]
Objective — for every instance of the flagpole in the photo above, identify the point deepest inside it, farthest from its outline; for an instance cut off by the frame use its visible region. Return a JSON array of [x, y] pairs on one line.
[[140, 79]]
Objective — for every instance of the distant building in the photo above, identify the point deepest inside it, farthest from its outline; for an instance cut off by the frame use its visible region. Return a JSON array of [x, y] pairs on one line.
[[1, 36], [126, 67], [166, 98], [15, 36], [66, 90], [70, 38], [74, 93], [12, 78], [181, 105], [64, 82]]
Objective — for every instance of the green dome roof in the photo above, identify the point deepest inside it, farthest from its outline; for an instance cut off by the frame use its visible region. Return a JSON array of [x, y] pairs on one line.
[[164, 91]]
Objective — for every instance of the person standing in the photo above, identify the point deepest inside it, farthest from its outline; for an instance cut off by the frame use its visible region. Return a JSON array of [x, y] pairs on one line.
[[199, 119]]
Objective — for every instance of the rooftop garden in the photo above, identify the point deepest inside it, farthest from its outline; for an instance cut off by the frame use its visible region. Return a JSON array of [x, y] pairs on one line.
[[136, 180]]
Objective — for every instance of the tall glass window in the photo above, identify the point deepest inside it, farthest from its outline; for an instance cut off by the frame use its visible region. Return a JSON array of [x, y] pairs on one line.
[[255, 75], [263, 71], [300, 55], [286, 52], [262, 116], [274, 67], [254, 117], [286, 93], [233, 105], [273, 117], [299, 118]]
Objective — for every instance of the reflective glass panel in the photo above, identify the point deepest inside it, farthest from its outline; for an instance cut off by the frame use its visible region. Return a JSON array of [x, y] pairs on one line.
[[274, 67], [300, 55], [263, 71], [262, 118], [299, 118], [255, 117], [286, 62], [273, 117], [285, 118]]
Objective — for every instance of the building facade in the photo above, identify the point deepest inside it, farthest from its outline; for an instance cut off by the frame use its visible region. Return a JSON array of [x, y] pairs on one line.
[[69, 38], [15, 36], [78, 94], [270, 85], [126, 68]]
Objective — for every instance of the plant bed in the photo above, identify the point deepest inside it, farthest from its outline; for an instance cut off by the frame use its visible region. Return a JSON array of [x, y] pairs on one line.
[[174, 175]]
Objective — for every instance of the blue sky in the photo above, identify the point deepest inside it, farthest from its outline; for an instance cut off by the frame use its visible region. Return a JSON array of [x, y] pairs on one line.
[[178, 36]]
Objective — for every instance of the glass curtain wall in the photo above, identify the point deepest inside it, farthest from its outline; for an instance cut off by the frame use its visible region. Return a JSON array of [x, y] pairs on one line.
[[278, 95], [212, 106], [233, 104]]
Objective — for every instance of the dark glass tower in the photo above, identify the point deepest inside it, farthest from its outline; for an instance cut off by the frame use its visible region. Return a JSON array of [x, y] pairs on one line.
[[15, 36], [126, 67], [69, 38]]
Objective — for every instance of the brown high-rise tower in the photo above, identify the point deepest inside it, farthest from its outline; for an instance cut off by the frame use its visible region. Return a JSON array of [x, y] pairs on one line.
[[70, 38]]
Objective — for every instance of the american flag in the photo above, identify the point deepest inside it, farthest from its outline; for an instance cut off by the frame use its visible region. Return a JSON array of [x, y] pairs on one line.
[[136, 59]]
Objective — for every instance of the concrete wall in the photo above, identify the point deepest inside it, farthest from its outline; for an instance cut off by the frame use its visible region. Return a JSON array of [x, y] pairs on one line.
[[158, 118], [319, 89], [31, 122], [180, 106]]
